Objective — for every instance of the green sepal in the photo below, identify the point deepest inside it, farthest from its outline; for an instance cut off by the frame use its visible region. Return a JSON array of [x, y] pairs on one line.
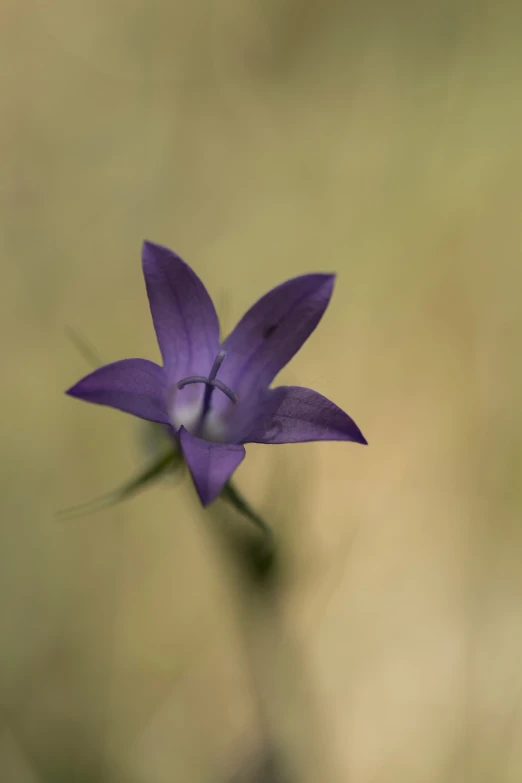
[[230, 494], [172, 460]]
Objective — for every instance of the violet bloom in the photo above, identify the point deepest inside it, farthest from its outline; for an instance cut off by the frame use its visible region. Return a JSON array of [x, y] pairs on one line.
[[213, 395]]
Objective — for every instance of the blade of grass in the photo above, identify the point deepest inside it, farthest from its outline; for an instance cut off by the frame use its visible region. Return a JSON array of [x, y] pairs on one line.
[[171, 459], [83, 346]]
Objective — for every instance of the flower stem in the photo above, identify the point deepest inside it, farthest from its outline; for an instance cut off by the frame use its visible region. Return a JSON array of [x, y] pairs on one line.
[[233, 496]]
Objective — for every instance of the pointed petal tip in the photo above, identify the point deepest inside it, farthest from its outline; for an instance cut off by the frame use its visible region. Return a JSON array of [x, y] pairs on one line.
[[148, 247], [206, 500], [153, 254], [354, 434], [332, 277], [326, 284], [151, 251], [135, 386], [80, 391], [210, 464], [326, 279], [149, 243], [75, 390], [295, 414]]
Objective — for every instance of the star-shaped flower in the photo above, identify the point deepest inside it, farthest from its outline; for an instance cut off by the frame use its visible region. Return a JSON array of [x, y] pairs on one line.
[[215, 396]]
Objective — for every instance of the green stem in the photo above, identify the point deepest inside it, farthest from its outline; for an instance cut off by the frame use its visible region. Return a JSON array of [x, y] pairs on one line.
[[233, 496], [128, 490]]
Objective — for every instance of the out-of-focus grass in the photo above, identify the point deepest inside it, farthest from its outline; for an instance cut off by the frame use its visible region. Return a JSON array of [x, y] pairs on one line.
[[262, 140]]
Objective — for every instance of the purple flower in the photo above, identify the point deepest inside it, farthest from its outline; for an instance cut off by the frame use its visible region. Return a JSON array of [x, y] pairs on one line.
[[213, 395]]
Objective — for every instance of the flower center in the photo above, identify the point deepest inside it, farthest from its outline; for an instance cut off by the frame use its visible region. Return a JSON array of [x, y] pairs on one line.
[[194, 418]]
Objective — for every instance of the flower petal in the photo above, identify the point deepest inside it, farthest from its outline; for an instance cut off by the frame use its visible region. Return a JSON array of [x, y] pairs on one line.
[[184, 316], [293, 414], [273, 330], [210, 464], [135, 386]]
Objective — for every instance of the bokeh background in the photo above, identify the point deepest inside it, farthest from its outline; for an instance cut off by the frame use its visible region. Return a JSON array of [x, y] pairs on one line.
[[262, 139]]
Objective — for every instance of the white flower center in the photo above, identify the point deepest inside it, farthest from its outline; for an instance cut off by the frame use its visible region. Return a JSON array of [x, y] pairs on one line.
[[189, 415], [194, 410]]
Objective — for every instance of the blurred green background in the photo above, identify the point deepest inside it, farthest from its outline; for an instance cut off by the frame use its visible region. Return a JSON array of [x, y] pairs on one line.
[[260, 140]]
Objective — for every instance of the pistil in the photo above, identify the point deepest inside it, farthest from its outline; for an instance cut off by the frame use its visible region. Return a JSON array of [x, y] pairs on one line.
[[211, 383]]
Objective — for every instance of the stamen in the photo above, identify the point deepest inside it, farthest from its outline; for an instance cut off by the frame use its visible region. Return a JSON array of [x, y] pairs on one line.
[[192, 379], [218, 361], [221, 386], [211, 382]]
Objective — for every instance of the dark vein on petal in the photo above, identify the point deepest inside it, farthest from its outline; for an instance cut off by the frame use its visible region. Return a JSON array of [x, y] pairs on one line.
[[264, 342], [180, 311]]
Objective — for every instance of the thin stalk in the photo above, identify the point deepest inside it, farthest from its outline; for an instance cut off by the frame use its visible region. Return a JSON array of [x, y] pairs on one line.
[[232, 495]]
